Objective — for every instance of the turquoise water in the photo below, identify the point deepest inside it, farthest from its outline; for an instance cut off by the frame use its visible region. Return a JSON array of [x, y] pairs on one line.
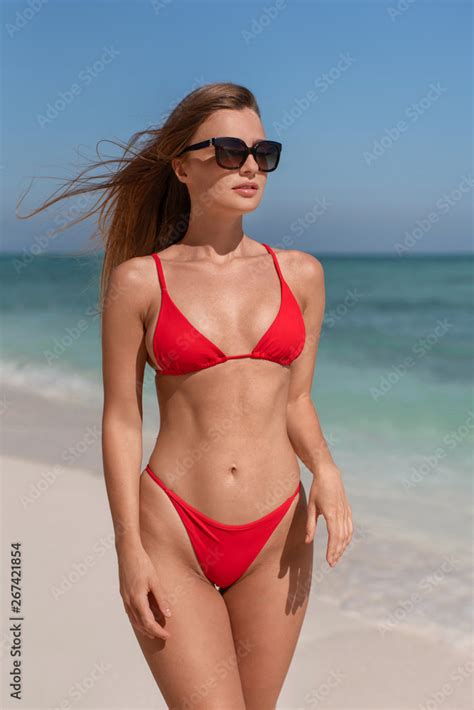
[[392, 387]]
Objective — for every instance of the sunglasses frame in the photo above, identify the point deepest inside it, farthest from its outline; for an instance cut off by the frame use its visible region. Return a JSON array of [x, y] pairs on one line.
[[252, 150]]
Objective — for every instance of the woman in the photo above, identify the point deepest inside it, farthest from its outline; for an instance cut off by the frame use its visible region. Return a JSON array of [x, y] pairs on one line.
[[214, 537]]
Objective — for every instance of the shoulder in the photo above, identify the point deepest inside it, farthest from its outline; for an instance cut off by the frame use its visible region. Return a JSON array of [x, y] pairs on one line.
[[305, 275], [132, 272], [131, 282], [301, 265]]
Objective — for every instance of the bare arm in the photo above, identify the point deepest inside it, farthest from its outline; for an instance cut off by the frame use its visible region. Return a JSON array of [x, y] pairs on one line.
[[123, 366], [327, 495]]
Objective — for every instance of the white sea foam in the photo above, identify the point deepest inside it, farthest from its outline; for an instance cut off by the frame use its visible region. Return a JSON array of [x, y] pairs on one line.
[[52, 383]]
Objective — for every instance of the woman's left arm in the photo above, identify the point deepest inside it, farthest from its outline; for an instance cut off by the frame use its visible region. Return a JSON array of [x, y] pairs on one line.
[[327, 496]]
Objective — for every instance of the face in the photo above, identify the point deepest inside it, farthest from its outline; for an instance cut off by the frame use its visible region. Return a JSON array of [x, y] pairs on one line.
[[212, 186]]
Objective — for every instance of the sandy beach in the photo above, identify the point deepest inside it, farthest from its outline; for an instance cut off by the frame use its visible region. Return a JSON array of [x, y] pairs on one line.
[[78, 649]]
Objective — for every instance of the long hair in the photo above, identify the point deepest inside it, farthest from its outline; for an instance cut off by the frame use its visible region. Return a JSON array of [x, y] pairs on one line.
[[144, 207]]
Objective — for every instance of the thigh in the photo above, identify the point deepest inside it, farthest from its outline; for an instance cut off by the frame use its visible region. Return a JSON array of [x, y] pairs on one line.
[[267, 606], [197, 666]]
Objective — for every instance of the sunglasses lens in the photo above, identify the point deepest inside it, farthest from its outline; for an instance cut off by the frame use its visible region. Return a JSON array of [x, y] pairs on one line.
[[230, 152], [268, 155]]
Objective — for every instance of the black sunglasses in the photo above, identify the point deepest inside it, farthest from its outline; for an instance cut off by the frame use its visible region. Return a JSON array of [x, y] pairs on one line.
[[231, 153]]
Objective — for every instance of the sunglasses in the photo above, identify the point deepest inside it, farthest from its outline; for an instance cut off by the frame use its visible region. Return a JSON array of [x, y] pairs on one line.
[[231, 153]]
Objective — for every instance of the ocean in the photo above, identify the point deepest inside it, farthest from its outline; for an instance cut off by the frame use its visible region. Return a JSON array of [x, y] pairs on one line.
[[393, 388]]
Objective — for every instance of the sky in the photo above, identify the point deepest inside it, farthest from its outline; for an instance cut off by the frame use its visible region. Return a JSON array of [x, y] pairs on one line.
[[372, 102]]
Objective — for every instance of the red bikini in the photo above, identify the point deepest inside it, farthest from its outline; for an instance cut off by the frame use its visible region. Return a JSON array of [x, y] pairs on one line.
[[224, 551], [180, 348]]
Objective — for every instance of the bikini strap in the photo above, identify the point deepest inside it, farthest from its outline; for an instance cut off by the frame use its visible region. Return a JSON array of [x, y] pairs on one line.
[[161, 275], [275, 261]]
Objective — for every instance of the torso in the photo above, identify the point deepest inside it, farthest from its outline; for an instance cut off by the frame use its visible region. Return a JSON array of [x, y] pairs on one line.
[[223, 443]]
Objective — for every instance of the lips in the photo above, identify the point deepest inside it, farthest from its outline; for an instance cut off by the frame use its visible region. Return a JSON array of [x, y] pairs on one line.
[[246, 186]]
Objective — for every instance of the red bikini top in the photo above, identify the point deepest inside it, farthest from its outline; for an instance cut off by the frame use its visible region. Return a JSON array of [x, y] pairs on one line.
[[180, 348]]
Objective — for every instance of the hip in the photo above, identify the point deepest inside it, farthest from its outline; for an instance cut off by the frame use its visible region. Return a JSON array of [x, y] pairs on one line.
[[246, 474]]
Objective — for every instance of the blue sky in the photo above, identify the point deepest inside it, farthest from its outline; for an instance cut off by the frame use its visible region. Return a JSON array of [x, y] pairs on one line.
[[371, 100]]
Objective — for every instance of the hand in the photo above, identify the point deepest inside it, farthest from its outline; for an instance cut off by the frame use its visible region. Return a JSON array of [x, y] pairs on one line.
[[137, 578], [327, 497]]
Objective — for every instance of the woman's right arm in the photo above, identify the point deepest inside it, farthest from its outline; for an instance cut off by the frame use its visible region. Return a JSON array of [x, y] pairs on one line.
[[123, 366]]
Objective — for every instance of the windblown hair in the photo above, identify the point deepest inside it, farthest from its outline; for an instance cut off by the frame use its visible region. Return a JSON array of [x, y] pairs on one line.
[[144, 207]]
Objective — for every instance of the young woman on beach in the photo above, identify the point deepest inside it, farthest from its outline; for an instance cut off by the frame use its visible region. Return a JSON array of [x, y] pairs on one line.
[[214, 537]]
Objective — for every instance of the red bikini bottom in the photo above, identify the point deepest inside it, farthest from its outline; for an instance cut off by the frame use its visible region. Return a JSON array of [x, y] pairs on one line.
[[224, 551]]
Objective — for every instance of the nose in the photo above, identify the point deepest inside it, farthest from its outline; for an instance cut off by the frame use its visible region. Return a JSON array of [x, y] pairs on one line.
[[250, 164]]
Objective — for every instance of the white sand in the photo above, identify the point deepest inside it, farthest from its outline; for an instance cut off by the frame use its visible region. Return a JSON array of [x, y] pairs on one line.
[[78, 649]]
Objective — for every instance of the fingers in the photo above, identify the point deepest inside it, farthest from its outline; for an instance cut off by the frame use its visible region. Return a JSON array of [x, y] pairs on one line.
[[311, 521], [160, 599], [335, 538], [340, 529], [142, 618], [348, 525]]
